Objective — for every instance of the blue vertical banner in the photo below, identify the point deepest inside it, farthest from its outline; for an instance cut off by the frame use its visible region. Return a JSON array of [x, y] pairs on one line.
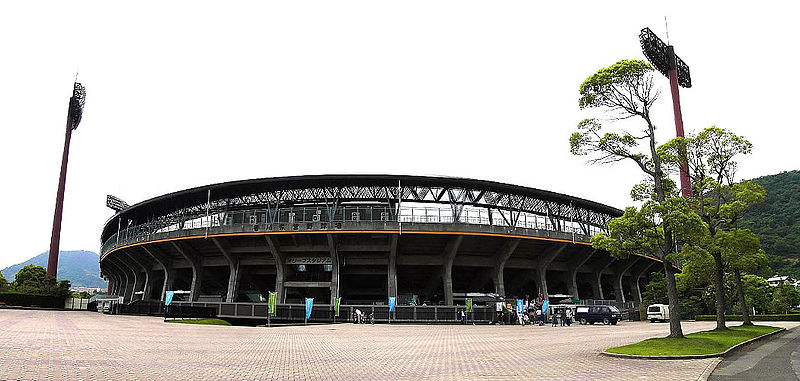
[[520, 306], [309, 306], [545, 305], [391, 303], [168, 297]]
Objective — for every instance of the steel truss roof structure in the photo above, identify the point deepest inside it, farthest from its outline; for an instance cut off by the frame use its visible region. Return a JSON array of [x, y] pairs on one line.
[[334, 192]]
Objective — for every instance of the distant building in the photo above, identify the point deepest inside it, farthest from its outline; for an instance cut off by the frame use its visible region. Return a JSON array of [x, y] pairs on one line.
[[91, 290], [778, 279]]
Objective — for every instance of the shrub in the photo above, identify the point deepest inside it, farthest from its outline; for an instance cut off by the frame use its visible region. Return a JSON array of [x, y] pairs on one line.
[[774, 317], [26, 300]]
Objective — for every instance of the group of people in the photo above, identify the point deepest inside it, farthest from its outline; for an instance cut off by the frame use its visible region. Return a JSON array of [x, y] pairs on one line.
[[533, 312], [564, 317]]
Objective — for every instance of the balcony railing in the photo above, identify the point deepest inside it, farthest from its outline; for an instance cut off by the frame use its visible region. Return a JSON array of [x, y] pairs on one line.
[[321, 218]]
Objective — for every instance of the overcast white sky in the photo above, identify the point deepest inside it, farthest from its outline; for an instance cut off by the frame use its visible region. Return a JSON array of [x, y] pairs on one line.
[[187, 94]]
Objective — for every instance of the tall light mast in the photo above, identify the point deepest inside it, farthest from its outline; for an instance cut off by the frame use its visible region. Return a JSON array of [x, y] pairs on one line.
[[74, 114], [663, 57]]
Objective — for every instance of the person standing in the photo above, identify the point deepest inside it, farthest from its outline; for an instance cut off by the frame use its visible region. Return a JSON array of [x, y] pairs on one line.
[[569, 317], [463, 317]]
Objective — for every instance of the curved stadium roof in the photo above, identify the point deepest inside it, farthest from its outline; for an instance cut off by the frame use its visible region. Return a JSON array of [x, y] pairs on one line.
[[167, 203]]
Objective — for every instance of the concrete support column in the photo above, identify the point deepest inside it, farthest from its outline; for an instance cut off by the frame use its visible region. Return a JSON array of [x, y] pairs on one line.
[[502, 256], [447, 268], [130, 280], [197, 282], [280, 267], [597, 285], [233, 264], [144, 266], [541, 269], [637, 275], [133, 281], [573, 266], [392, 274], [597, 276], [499, 284], [636, 291], [618, 292], [234, 276], [163, 260], [119, 282], [541, 282], [197, 268], [447, 283], [334, 288], [619, 272], [113, 279]]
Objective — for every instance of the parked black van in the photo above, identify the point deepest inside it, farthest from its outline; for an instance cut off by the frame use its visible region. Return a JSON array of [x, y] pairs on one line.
[[595, 314]]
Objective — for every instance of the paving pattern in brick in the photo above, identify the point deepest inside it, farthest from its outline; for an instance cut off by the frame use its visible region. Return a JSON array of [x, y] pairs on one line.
[[55, 345]]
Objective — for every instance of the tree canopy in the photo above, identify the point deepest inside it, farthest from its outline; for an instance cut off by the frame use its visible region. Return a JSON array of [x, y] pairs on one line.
[[33, 279]]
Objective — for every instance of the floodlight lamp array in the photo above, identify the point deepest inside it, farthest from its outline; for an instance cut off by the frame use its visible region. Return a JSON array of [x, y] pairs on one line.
[[76, 103], [657, 53], [116, 203]]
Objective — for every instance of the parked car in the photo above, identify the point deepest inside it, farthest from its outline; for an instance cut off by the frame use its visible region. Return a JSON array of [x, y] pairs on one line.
[[595, 314], [658, 312]]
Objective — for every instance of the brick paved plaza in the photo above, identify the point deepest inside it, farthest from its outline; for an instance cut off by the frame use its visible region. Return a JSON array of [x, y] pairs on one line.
[[85, 345]]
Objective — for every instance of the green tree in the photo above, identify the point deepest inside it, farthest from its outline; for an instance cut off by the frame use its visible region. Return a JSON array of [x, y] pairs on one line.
[[656, 290], [622, 91], [784, 297], [3, 283], [717, 199], [30, 279], [756, 290], [741, 253], [33, 279]]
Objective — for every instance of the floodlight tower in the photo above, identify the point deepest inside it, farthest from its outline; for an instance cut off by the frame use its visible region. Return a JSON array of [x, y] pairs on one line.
[[663, 57], [74, 114]]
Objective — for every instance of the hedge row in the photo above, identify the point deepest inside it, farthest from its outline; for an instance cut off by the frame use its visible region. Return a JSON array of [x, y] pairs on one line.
[[28, 300], [777, 317]]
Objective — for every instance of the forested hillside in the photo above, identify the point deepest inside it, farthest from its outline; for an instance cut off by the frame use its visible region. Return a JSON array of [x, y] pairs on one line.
[[777, 222]]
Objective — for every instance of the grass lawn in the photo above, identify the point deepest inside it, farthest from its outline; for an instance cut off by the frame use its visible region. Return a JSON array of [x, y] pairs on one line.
[[201, 321], [699, 343]]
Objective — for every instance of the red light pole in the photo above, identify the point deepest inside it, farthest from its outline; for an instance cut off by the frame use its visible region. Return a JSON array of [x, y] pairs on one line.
[[663, 57], [74, 114]]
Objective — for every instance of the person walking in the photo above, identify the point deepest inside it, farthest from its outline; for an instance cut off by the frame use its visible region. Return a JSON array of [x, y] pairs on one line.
[[563, 317], [463, 317]]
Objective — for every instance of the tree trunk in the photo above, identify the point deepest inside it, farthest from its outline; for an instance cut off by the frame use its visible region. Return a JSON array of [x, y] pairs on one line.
[[675, 329], [742, 300], [719, 289]]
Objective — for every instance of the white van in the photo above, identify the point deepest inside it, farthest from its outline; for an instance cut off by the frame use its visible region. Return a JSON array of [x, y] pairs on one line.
[[658, 312]]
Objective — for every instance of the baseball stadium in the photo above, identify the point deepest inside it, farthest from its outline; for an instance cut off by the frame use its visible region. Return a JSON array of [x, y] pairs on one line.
[[363, 238]]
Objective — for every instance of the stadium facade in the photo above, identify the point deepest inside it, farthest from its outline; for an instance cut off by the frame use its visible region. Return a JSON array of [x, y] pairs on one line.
[[364, 238]]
